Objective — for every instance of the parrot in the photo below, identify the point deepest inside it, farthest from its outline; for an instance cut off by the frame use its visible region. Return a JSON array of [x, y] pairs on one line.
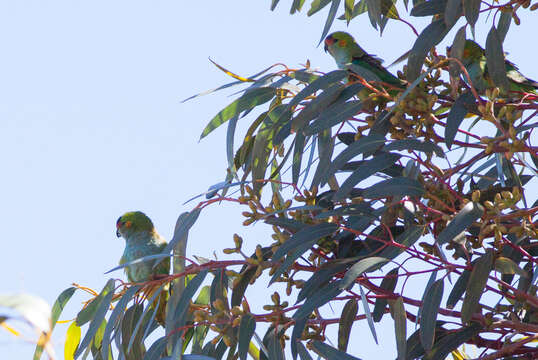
[[474, 60], [349, 55], [141, 239]]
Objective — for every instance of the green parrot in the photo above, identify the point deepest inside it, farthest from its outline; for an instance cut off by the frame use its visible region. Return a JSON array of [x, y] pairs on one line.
[[141, 239], [474, 60], [349, 55]]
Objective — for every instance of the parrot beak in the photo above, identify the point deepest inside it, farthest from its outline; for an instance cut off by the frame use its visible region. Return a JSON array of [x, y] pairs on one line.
[[118, 234], [329, 40]]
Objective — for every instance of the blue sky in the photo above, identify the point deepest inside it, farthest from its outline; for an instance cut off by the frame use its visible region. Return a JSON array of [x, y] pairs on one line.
[[92, 125]]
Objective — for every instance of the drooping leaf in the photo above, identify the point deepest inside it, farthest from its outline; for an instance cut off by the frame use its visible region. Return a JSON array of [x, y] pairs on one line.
[[97, 317], [319, 298], [456, 51], [365, 265], [330, 18], [400, 326], [303, 353], [495, 59], [374, 12], [302, 241], [248, 101], [368, 314], [57, 309], [333, 116], [399, 186], [452, 12], [457, 113], [184, 222], [89, 311], [295, 342], [247, 326], [330, 353], [475, 286], [72, 339], [428, 38], [414, 144], [347, 318], [452, 341], [309, 234], [156, 349], [364, 171], [429, 8], [316, 6], [458, 289], [461, 222], [428, 315], [504, 24], [364, 144], [389, 284], [471, 9]]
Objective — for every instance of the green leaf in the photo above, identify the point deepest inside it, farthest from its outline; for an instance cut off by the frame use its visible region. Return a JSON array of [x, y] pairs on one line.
[[316, 6], [452, 341], [471, 10], [399, 186], [296, 6], [299, 243], [461, 222], [452, 12], [415, 144], [325, 152], [365, 265], [89, 311], [303, 353], [456, 51], [495, 59], [475, 286], [348, 8], [182, 305], [130, 318], [374, 12], [330, 18], [505, 265], [364, 171], [458, 289], [310, 234], [247, 326], [504, 24], [400, 326], [364, 144], [457, 113], [312, 108], [428, 315], [407, 239], [260, 154], [295, 342], [273, 345], [334, 115], [183, 224], [368, 314], [347, 318], [115, 318], [297, 157], [322, 277], [389, 284], [72, 339], [156, 349], [248, 101], [429, 8], [57, 309], [428, 38], [330, 353], [98, 316], [319, 298]]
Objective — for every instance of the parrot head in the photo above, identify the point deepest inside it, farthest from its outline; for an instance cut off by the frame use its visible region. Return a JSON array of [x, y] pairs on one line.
[[132, 222], [342, 47], [472, 52]]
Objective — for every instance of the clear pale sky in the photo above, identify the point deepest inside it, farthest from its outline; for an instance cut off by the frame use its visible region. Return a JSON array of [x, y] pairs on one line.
[[91, 126]]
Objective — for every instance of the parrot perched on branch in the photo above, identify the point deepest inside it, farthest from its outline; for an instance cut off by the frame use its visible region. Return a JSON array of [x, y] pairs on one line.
[[141, 239], [474, 60], [350, 56]]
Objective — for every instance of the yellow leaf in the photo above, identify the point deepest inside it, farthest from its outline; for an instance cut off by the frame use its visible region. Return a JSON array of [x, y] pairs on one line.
[[72, 339]]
